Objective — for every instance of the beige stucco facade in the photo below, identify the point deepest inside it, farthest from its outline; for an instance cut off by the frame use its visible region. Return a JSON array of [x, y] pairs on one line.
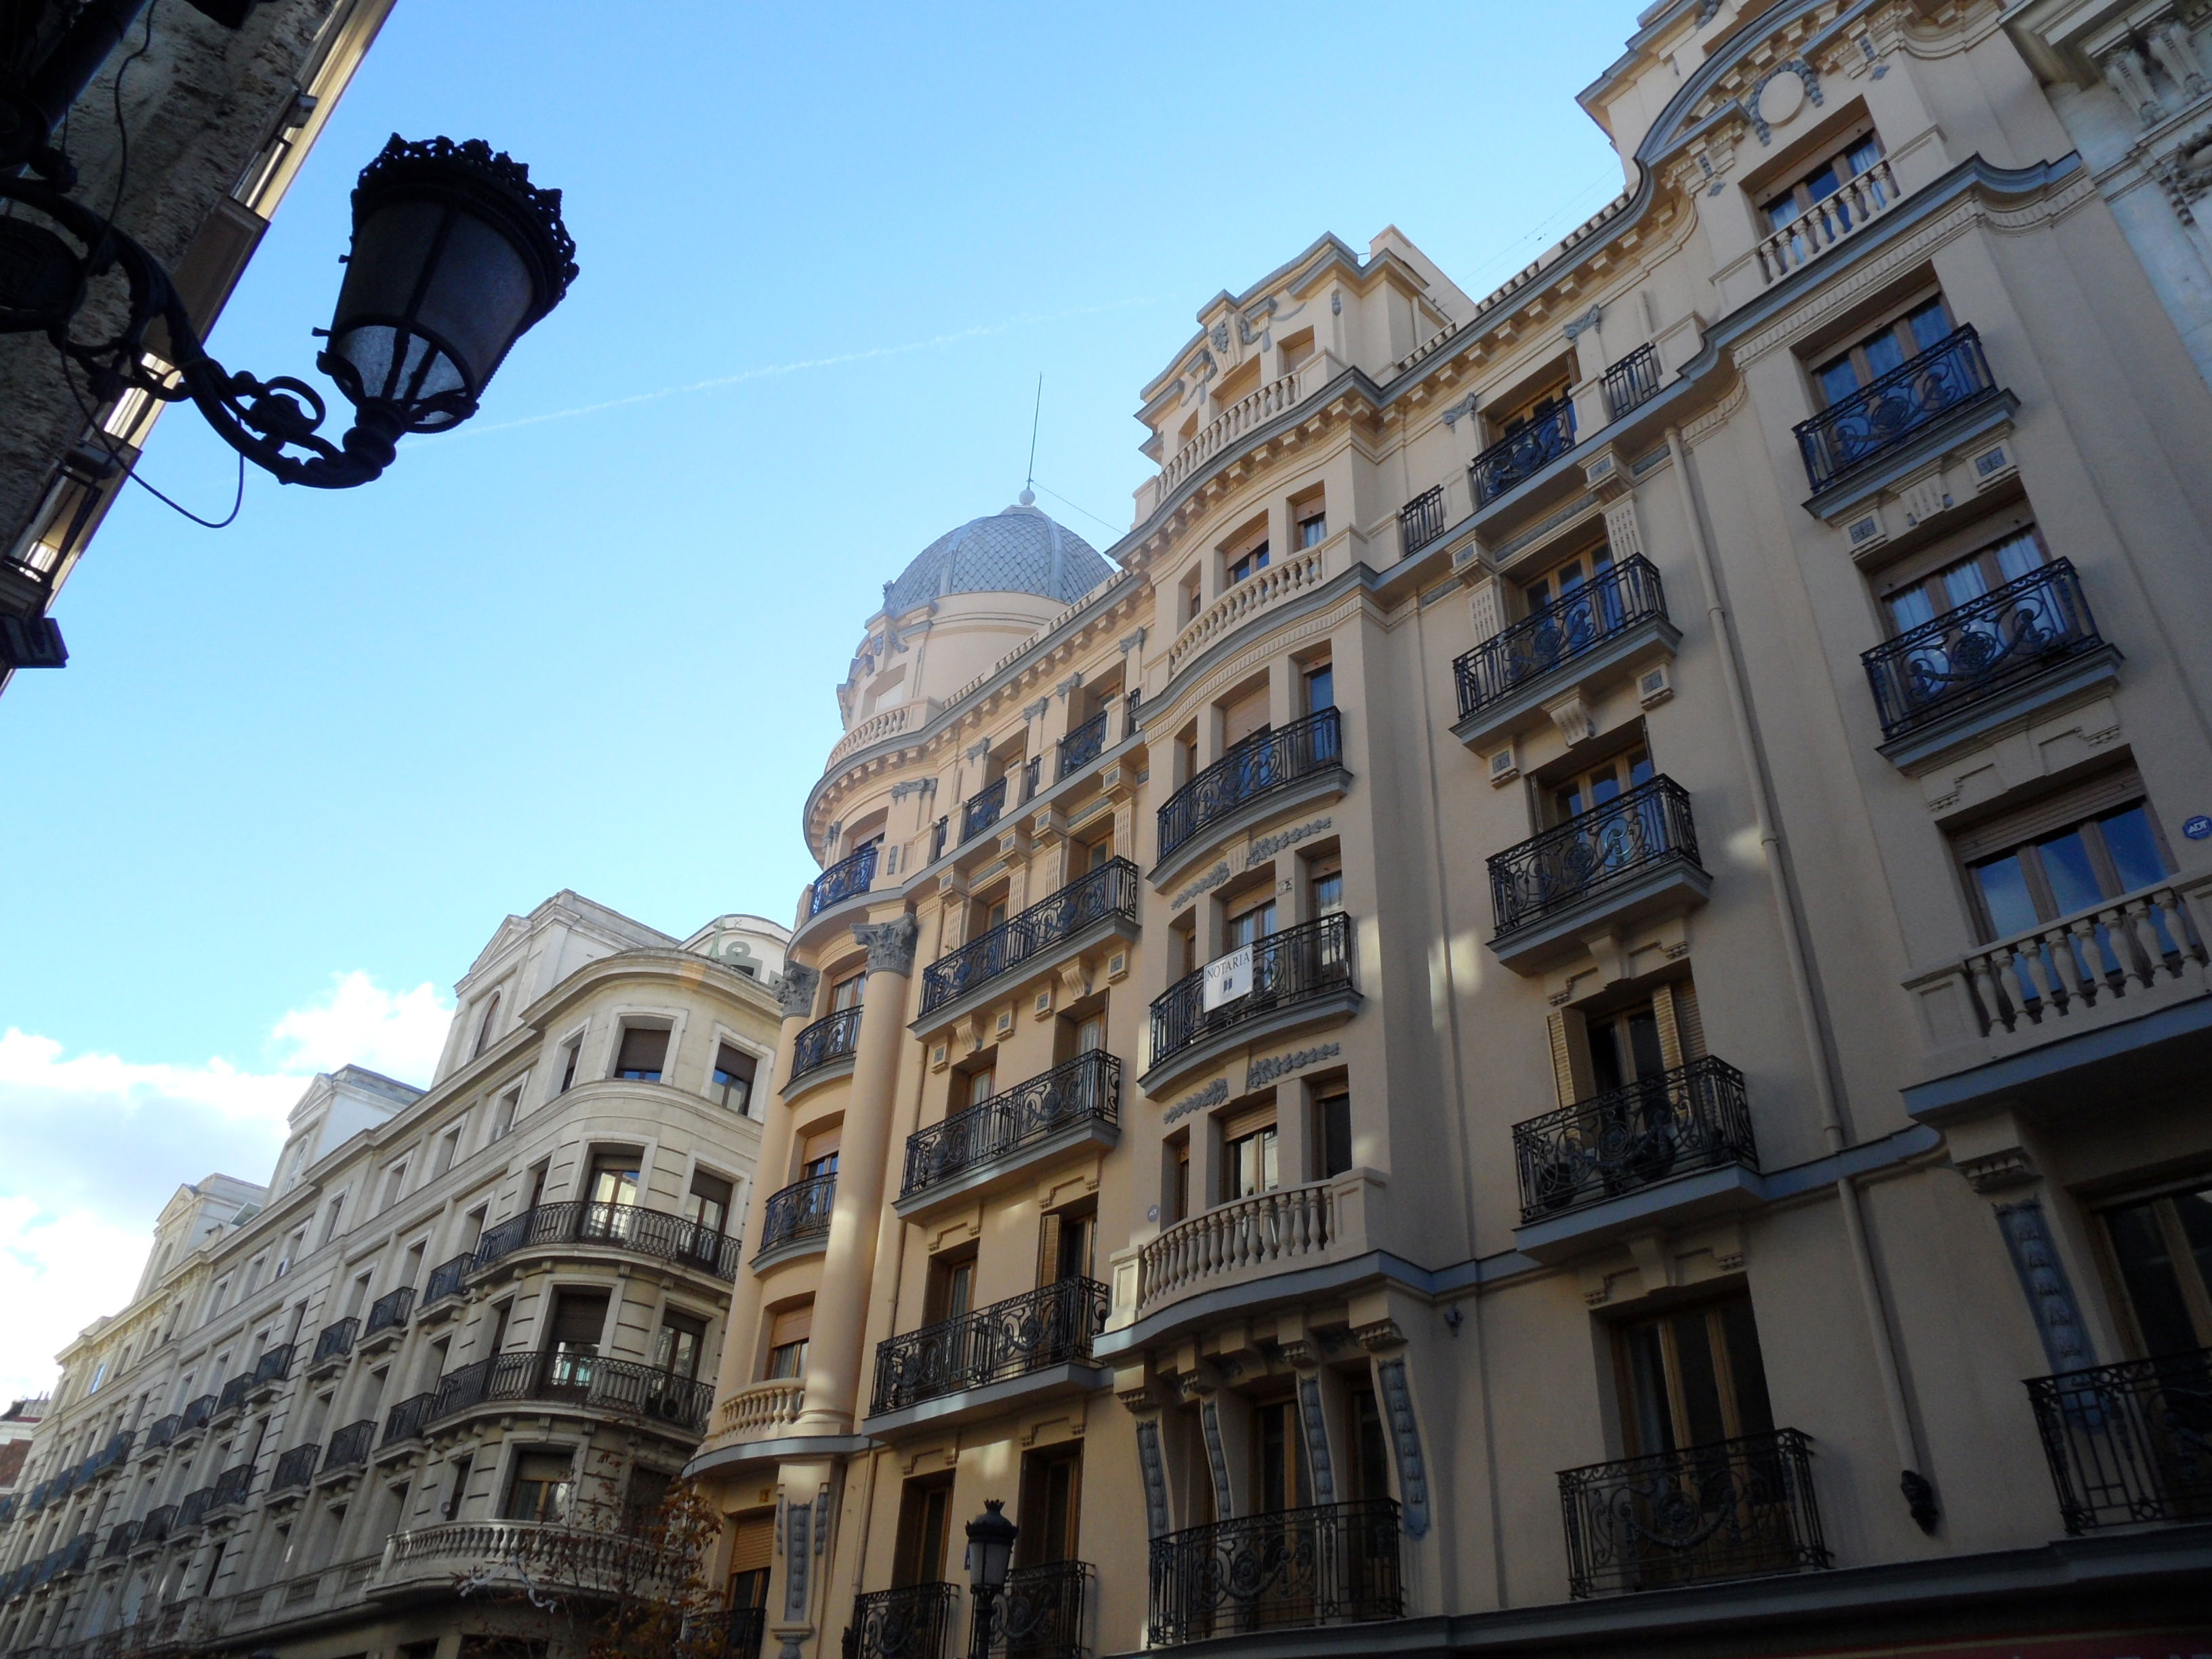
[[459, 1325], [1643, 1050]]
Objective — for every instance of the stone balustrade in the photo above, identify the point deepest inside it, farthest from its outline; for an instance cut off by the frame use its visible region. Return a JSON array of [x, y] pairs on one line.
[[1271, 1232], [1263, 590], [761, 1411]]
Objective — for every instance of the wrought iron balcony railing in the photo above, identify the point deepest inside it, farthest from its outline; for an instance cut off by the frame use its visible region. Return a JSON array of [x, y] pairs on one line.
[[1048, 1327], [1982, 650], [295, 1469], [1887, 410], [274, 1366], [2129, 1443], [834, 1037], [1263, 762], [1299, 964], [445, 1278], [1520, 456], [1693, 1117], [1732, 1509], [336, 1341], [193, 1509], [1332, 1564], [617, 1387], [233, 1397], [195, 1414], [1421, 520], [390, 1312], [1039, 1615], [406, 1420], [68, 1558], [120, 1538], [981, 810], [627, 1227], [800, 1211], [843, 879], [1085, 1090], [911, 1623], [1108, 891], [1610, 604], [157, 1525], [231, 1486], [1081, 746], [349, 1445], [731, 1633], [1630, 836], [1634, 380], [164, 1431]]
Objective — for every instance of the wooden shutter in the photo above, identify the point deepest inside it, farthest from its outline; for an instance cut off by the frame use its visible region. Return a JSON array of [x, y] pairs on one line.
[[1666, 1016], [643, 1049], [1689, 1023], [752, 1543], [1049, 1249], [1570, 1072], [792, 1325], [1244, 717], [579, 1318]]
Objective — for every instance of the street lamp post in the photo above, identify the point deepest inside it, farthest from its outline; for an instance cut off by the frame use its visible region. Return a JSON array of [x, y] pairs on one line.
[[990, 1553]]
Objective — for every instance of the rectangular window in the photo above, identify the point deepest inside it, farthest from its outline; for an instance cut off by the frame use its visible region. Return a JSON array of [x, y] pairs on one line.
[[787, 1334], [752, 1558], [1066, 1243], [2164, 1249], [643, 1053], [580, 1318], [817, 1154], [1925, 326], [570, 1052], [1313, 530], [734, 1070], [708, 1202], [613, 1178], [1563, 584], [449, 1148], [681, 1345], [1370, 1448], [1052, 1494], [1606, 781], [538, 1489], [457, 1486], [975, 1087], [1249, 1155], [1251, 925], [1692, 1377], [924, 1523], [1178, 1179], [847, 993], [951, 1290], [1244, 720], [1333, 1131], [1249, 563], [1925, 598], [1280, 1481], [1325, 883], [1835, 171], [502, 1117], [2068, 852], [394, 1179], [330, 1218]]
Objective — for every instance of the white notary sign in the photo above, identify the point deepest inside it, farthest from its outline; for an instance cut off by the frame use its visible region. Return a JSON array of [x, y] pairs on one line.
[[1228, 978]]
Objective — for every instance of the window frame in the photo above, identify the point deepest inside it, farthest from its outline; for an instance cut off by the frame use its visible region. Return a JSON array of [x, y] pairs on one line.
[[1798, 192]]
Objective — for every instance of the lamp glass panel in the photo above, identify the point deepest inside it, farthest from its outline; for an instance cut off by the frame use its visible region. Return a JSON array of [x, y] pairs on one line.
[[479, 298]]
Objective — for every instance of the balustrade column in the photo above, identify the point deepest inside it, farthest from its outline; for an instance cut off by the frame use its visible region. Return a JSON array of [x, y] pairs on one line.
[[741, 1343], [834, 1354]]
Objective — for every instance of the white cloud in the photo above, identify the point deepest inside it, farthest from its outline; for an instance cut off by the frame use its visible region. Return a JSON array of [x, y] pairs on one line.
[[97, 1143]]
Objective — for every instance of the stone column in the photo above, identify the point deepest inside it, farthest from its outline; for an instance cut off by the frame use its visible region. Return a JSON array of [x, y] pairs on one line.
[[794, 991], [836, 1364]]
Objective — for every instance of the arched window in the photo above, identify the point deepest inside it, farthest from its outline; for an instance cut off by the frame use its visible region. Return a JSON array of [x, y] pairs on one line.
[[483, 1031]]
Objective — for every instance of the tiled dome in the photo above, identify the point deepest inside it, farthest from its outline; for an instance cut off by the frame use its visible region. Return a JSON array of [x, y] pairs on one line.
[[1019, 550]]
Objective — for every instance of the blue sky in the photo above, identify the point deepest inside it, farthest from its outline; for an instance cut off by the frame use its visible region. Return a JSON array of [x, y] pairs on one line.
[[298, 770]]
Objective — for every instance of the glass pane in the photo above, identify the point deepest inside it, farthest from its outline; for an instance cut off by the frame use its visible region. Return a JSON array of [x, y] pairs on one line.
[[2066, 867], [2148, 1268], [1569, 801], [2135, 852], [1643, 1044], [1746, 1370], [1884, 352], [2018, 555], [1823, 184], [1931, 324], [1964, 581], [2005, 895], [1320, 690], [1604, 785], [1640, 768], [1782, 212], [2194, 1211], [1647, 1381], [1701, 1388], [1862, 155], [1838, 380], [1909, 609]]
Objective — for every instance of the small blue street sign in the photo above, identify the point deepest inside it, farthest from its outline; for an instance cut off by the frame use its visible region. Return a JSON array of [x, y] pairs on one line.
[[2198, 828]]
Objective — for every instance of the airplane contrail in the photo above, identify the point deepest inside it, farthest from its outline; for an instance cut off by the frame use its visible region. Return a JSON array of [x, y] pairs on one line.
[[770, 371]]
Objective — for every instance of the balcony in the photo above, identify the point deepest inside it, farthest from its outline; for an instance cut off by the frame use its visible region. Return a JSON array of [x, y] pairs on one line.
[[833, 1040], [444, 1286], [1634, 857], [1420, 521], [1613, 627], [192, 1511], [387, 1319], [1624, 1159], [1269, 772], [296, 1468], [231, 1487], [1045, 1331], [1298, 573], [612, 1387], [797, 1219], [333, 1347], [576, 1559], [349, 1449], [406, 1422], [981, 810], [2129, 1443], [1081, 746], [1257, 1238], [1300, 977], [761, 1411], [120, 1539], [1333, 1564], [846, 879], [232, 1399], [1863, 197], [1519, 456], [1631, 382], [734, 1633], [629, 1228], [271, 1372], [69, 1558], [1040, 1613], [1076, 1104], [911, 1623], [2014, 650], [155, 1528], [1092, 908], [1893, 413], [193, 1417], [1732, 1509]]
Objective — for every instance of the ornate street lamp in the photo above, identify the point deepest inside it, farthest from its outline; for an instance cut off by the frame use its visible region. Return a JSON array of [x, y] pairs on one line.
[[990, 1553]]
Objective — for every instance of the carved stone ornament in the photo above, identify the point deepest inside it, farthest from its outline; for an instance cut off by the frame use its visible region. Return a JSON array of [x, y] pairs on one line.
[[2187, 172], [2049, 1293], [1994, 1172], [1405, 1442], [794, 990], [890, 944], [1152, 1467], [1380, 1334], [1583, 324], [1315, 1422]]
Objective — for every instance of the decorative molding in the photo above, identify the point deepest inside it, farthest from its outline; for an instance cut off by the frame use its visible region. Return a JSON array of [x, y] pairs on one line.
[[1459, 411], [1995, 1172], [1132, 642], [1316, 1427], [1216, 1461], [794, 990], [1151, 1468], [913, 786], [1036, 711], [1805, 74], [1406, 1441], [1263, 1072], [2042, 1277], [1583, 323], [1212, 1095], [1378, 1334], [1267, 846], [890, 944], [1206, 883], [797, 1559]]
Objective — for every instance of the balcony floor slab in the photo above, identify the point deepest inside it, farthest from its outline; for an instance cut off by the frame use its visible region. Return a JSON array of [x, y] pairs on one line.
[[961, 1191], [2068, 680], [1333, 1009], [1006, 983], [791, 1088], [967, 1405], [791, 1250], [1536, 947], [1633, 649], [1672, 1203], [1327, 784], [753, 1454]]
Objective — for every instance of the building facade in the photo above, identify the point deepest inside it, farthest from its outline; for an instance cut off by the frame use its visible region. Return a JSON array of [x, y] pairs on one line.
[[220, 104], [1581, 970], [465, 1331]]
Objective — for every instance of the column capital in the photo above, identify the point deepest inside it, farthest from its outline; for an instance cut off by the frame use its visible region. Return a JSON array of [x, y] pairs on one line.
[[890, 944], [794, 990]]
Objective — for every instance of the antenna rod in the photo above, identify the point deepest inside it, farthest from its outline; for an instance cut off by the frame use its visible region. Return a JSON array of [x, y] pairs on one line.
[[1034, 413]]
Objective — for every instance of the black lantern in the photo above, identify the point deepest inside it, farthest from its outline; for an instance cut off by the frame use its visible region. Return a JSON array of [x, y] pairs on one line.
[[990, 1553]]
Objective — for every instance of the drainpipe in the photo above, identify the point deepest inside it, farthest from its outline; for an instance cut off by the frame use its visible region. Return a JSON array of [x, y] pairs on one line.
[[1919, 1492]]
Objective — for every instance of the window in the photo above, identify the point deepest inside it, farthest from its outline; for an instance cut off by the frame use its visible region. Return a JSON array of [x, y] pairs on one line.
[[394, 1179], [973, 1087], [1052, 1489], [1925, 598], [613, 1178], [1835, 171], [1691, 1377], [645, 1501], [752, 1557], [817, 1154], [449, 1148], [1332, 1129], [1280, 1481], [925, 1523], [1325, 883], [734, 1070], [2025, 869], [1620, 1043], [502, 1117], [1605, 782], [1561, 584], [457, 1486], [643, 1053], [1249, 1160], [1313, 530], [2164, 1249], [254, 1269], [1178, 1181], [681, 1345], [951, 1290], [1251, 925], [538, 1490], [847, 993], [1066, 1244], [1907, 335], [1096, 854], [484, 1027], [1320, 687], [1192, 597], [708, 1201], [1371, 1450], [787, 1334], [573, 1337], [1245, 719], [1534, 409], [570, 1051], [1250, 562]]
